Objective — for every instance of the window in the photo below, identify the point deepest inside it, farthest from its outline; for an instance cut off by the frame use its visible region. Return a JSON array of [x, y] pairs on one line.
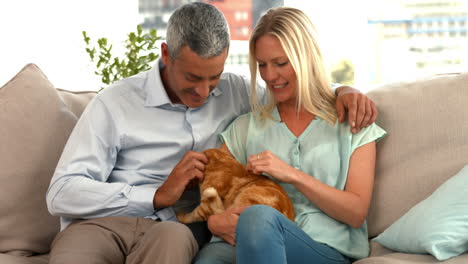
[[378, 38]]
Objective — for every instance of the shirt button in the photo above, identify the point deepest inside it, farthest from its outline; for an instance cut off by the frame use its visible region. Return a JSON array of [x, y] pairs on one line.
[[296, 152], [296, 140]]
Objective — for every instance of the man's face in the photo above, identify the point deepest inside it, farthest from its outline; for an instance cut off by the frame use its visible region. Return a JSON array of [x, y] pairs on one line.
[[189, 79]]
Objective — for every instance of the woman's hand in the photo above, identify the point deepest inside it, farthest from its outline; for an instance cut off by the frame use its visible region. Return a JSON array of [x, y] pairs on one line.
[[267, 162], [224, 224]]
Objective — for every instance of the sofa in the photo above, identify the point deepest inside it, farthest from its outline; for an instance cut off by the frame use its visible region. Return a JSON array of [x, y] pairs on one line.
[[427, 144]]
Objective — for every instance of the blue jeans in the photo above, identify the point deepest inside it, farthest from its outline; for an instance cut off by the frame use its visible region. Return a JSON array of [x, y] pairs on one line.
[[264, 235]]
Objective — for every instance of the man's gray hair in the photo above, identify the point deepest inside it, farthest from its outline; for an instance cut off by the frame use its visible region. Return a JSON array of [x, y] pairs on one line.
[[199, 25]]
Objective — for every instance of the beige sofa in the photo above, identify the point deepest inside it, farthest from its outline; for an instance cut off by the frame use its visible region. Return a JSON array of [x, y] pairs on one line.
[[427, 143]]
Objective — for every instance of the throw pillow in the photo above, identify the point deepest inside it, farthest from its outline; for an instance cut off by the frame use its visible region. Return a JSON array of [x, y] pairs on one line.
[[34, 127], [427, 143], [437, 225]]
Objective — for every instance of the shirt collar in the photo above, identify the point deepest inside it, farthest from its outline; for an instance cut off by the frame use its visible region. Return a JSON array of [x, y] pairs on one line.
[[156, 95], [275, 114], [277, 118]]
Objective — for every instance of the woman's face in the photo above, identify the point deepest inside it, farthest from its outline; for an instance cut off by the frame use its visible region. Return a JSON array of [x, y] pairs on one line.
[[275, 69]]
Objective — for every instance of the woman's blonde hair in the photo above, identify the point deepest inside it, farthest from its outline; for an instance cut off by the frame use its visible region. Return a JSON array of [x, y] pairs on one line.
[[297, 35]]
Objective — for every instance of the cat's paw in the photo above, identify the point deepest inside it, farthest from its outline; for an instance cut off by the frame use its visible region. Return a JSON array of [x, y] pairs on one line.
[[183, 217], [209, 192]]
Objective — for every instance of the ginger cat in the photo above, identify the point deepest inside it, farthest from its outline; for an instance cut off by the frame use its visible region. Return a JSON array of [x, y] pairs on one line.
[[227, 184]]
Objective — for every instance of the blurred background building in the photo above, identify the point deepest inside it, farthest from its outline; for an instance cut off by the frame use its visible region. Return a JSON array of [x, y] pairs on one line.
[[365, 43], [414, 38], [242, 15]]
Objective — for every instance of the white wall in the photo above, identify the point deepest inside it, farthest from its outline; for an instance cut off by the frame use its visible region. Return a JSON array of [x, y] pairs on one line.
[[48, 33]]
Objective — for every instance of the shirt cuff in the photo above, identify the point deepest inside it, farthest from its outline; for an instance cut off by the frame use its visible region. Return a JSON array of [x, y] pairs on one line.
[[335, 86], [141, 201]]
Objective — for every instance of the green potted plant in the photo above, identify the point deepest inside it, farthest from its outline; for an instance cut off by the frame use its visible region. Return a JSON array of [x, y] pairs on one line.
[[139, 55]]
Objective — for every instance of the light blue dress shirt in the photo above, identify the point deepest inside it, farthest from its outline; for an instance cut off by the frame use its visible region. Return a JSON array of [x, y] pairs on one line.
[[128, 140], [322, 151]]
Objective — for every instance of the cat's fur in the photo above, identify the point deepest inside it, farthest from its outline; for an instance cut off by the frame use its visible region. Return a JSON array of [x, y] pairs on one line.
[[227, 184]]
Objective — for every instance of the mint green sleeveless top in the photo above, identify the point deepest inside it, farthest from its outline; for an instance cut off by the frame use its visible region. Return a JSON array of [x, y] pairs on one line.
[[323, 151]]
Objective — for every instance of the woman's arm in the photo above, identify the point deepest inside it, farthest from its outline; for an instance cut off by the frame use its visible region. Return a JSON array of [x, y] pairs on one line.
[[350, 205]]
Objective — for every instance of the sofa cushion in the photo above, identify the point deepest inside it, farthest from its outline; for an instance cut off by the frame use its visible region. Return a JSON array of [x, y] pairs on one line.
[[10, 259], [76, 101], [377, 250], [403, 258], [437, 225], [426, 144], [35, 124]]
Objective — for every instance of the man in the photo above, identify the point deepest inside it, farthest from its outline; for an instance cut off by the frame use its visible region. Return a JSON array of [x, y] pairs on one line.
[[137, 147]]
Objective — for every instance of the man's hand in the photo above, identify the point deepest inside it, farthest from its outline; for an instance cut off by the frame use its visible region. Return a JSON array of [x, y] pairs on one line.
[[189, 168], [224, 224], [361, 110]]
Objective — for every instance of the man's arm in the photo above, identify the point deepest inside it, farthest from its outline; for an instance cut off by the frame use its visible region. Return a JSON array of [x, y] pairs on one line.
[[79, 187], [361, 110]]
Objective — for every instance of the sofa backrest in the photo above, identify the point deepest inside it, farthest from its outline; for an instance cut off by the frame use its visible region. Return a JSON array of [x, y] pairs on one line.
[[35, 122], [427, 142], [76, 101]]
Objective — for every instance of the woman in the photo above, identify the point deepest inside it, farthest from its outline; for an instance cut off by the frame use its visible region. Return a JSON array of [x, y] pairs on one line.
[[295, 139]]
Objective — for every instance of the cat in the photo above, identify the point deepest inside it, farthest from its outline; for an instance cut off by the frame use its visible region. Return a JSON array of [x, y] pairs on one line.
[[227, 184]]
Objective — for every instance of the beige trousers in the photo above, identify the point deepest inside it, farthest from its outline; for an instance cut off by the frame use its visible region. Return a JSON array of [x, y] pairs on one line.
[[119, 240]]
